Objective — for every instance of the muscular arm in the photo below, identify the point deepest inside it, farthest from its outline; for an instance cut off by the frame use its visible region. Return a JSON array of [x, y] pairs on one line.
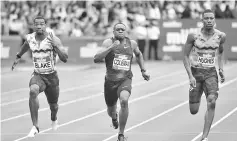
[[106, 47], [24, 49], [138, 54], [187, 49], [220, 52], [61, 51]]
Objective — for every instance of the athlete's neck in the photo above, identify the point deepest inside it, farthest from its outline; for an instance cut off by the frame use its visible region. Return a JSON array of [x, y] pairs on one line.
[[120, 39], [40, 37], [208, 31]]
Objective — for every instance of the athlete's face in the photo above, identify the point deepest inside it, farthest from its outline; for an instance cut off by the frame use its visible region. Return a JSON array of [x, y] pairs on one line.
[[119, 31], [40, 26], [208, 20]]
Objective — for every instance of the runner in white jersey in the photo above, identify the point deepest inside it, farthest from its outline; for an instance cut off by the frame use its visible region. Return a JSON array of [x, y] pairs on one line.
[[45, 47], [202, 53]]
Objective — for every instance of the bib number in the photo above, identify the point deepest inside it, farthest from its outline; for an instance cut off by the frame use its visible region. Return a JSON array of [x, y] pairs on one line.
[[206, 59], [43, 64], [121, 62]]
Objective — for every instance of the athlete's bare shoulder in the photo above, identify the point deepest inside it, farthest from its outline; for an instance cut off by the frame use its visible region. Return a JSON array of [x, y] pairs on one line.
[[222, 34], [107, 42], [133, 44], [30, 35], [191, 37]]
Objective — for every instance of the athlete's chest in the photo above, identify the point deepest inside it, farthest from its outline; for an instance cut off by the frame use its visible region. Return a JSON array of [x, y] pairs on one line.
[[39, 44], [122, 49], [211, 43]]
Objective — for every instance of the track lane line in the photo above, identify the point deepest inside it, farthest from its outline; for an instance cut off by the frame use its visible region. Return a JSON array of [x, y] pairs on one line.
[[167, 111], [92, 96], [104, 110]]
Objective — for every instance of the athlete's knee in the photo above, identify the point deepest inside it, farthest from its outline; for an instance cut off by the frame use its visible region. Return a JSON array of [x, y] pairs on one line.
[[124, 96], [211, 101], [34, 91], [193, 111], [194, 108], [124, 103]]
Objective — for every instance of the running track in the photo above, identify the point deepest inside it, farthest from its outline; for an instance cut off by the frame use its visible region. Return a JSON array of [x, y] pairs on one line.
[[158, 108]]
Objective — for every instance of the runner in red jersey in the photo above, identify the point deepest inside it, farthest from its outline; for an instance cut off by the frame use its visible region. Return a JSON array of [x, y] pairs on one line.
[[202, 50], [45, 47], [118, 53]]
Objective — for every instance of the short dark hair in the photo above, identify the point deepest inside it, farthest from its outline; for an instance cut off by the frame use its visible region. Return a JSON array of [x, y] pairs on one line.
[[40, 17], [119, 23], [207, 11]]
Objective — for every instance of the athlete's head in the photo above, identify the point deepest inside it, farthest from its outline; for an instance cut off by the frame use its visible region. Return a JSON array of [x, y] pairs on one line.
[[208, 19], [40, 25], [119, 31]]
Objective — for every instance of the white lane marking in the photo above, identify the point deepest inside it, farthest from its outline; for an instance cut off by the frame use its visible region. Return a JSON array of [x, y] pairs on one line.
[[90, 97], [165, 112], [101, 111]]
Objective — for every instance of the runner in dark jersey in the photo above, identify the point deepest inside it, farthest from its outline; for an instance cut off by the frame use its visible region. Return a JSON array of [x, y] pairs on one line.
[[45, 47], [118, 53], [202, 50]]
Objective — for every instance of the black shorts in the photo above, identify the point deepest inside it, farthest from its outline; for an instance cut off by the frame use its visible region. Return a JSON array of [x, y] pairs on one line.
[[207, 81], [49, 83], [112, 90]]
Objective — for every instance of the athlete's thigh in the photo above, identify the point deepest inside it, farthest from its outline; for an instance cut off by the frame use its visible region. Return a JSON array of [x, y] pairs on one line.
[[126, 85], [195, 93], [36, 79], [110, 93], [52, 89], [211, 86]]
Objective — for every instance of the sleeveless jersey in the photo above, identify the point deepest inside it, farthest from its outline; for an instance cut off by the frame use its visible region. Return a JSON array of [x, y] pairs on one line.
[[204, 52], [118, 61], [44, 57]]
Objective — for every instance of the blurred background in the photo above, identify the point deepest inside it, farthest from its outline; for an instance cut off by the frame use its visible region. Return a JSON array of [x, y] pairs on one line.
[[159, 27]]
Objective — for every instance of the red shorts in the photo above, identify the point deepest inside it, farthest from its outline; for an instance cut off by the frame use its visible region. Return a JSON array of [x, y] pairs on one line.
[[112, 90], [48, 83]]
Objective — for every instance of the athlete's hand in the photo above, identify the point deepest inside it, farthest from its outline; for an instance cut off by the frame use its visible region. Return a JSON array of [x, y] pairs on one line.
[[145, 76], [15, 63], [117, 42], [222, 76], [192, 81], [51, 39]]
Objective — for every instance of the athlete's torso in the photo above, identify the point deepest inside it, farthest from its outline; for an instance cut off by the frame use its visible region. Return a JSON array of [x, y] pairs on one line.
[[204, 52], [44, 57], [118, 61]]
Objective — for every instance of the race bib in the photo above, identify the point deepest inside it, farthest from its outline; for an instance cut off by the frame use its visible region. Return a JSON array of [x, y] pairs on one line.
[[121, 62], [206, 59], [43, 64]]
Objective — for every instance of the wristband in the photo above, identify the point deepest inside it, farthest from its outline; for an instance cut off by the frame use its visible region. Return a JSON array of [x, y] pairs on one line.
[[143, 70]]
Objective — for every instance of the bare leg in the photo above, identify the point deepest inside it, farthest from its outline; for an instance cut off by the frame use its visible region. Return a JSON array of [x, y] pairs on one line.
[[209, 116], [34, 104], [123, 113]]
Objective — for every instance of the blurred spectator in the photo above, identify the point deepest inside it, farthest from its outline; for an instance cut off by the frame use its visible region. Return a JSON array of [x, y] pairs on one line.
[[140, 33], [101, 15], [153, 33]]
